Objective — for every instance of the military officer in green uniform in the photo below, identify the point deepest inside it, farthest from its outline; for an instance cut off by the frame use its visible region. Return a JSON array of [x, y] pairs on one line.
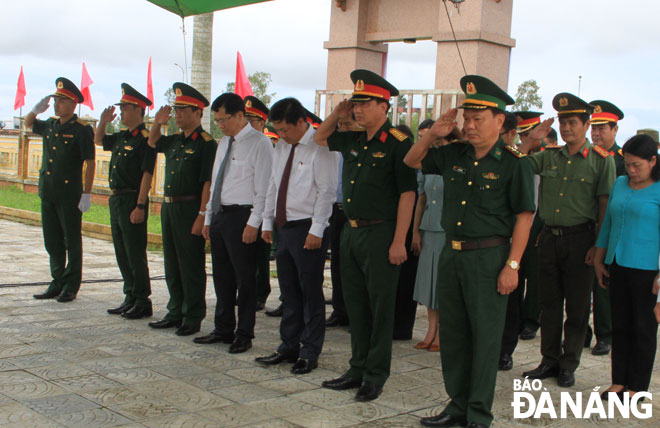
[[575, 184], [604, 127], [487, 214], [131, 170], [378, 196], [68, 145], [189, 156]]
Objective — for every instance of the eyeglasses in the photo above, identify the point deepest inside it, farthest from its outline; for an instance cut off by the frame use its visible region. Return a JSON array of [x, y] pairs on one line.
[[223, 120]]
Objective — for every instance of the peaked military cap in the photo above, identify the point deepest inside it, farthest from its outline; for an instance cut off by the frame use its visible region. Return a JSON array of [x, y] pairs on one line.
[[605, 112], [481, 93], [650, 132], [187, 96], [67, 89], [369, 85], [270, 132], [527, 120], [313, 119], [566, 103], [254, 107], [130, 96]]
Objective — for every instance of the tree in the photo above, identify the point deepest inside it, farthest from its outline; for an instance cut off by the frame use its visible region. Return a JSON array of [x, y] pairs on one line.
[[259, 82], [527, 96]]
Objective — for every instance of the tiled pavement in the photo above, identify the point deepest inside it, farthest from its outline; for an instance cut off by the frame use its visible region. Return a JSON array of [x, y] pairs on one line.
[[73, 365]]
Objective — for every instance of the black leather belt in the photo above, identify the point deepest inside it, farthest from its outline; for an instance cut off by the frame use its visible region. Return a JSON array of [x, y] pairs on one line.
[[363, 223], [122, 191], [294, 223], [183, 198], [235, 207], [569, 230], [477, 244]]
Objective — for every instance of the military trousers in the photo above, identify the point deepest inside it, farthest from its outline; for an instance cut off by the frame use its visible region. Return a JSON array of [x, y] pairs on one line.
[[471, 322], [564, 282], [369, 282], [130, 241], [337, 222], [530, 312], [62, 223], [185, 263]]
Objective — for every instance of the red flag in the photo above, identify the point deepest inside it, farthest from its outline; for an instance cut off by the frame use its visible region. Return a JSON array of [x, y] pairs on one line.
[[19, 101], [85, 83], [243, 87], [150, 85]]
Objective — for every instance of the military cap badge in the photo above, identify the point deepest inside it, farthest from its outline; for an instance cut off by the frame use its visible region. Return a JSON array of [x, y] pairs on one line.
[[359, 85], [598, 109], [248, 103], [60, 85], [563, 102], [178, 92], [470, 88]]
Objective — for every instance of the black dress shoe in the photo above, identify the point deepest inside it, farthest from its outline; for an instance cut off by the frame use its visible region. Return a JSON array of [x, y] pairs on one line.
[[240, 345], [187, 330], [368, 391], [334, 320], [276, 358], [342, 383], [543, 371], [66, 296], [135, 313], [476, 425], [443, 420], [277, 312], [165, 324], [46, 295], [303, 366], [124, 307], [527, 334], [506, 362], [260, 305], [566, 378], [213, 338], [601, 348]]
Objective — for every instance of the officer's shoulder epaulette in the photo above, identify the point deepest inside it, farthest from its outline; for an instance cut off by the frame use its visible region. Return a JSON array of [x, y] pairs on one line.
[[177, 133], [620, 152], [552, 147], [601, 151], [81, 122], [145, 133], [398, 134], [517, 153], [54, 117], [206, 136]]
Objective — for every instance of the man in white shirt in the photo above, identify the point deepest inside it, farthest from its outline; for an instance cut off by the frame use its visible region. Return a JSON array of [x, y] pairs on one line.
[[233, 215], [301, 192]]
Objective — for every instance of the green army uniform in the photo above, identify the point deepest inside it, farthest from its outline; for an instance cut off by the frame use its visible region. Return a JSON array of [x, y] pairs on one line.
[[188, 165], [373, 178], [65, 148], [131, 158], [568, 206], [604, 113]]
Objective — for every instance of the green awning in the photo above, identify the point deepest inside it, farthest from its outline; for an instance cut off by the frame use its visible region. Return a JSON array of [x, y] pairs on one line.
[[185, 8]]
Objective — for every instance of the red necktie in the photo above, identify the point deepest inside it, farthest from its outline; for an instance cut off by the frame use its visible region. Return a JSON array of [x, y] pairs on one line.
[[280, 208]]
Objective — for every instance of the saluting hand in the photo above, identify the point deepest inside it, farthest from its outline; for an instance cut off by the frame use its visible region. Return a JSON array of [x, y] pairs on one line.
[[163, 115], [541, 131], [108, 115], [42, 105], [507, 281], [445, 123], [343, 110], [397, 254]]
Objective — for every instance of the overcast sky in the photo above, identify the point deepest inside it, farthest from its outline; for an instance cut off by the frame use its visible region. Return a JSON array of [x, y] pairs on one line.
[[613, 45]]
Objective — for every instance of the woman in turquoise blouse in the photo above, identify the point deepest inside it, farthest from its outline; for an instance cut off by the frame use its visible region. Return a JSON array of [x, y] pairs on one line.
[[629, 242]]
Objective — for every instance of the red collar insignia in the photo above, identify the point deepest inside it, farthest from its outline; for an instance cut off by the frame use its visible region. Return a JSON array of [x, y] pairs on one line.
[[383, 136], [194, 136], [585, 152], [135, 132]]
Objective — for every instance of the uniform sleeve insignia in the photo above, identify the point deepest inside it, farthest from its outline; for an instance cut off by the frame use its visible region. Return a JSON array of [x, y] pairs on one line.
[[514, 151], [490, 176], [398, 134], [129, 148], [378, 155], [206, 136], [600, 151], [145, 133], [383, 137]]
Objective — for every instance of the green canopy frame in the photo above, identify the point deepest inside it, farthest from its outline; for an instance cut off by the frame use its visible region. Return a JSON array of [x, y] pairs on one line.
[[185, 8]]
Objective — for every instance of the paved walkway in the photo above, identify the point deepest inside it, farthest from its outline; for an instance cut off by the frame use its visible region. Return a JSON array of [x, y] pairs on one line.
[[73, 365]]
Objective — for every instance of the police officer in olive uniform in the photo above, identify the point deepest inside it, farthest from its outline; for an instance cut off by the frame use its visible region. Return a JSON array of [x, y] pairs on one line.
[[68, 144], [379, 193], [575, 184], [256, 113], [131, 170], [604, 127], [189, 156], [487, 214]]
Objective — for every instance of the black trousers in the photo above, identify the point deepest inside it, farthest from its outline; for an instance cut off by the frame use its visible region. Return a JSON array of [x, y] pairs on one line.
[[234, 273], [406, 307], [634, 327], [513, 321], [564, 282], [337, 222], [300, 275]]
